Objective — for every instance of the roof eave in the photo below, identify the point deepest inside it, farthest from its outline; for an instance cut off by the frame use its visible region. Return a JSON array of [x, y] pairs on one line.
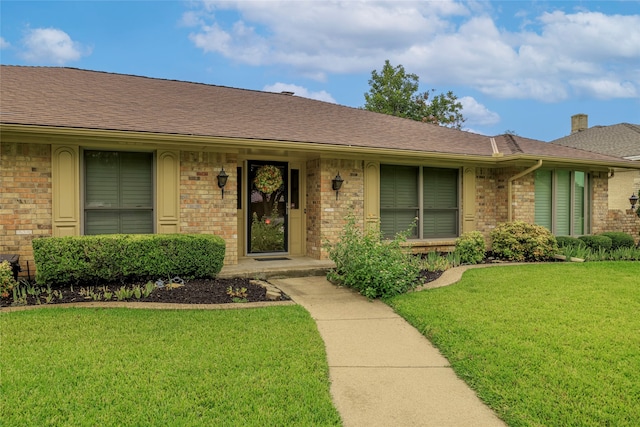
[[95, 137]]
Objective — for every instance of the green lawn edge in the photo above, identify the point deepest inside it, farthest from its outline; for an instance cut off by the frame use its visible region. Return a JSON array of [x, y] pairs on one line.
[[124, 367], [541, 344]]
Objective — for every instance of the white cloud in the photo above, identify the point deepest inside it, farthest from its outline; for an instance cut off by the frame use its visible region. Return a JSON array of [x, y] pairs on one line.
[[51, 45], [476, 113], [299, 91], [4, 44], [550, 56], [603, 88]]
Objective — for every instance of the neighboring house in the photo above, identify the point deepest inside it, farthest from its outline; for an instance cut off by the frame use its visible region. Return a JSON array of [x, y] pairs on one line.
[[620, 140], [87, 152]]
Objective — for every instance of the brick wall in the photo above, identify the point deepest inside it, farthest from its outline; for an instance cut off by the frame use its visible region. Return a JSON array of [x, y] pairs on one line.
[[491, 198], [524, 198], [325, 214], [599, 202], [314, 209], [202, 208], [626, 221], [25, 200]]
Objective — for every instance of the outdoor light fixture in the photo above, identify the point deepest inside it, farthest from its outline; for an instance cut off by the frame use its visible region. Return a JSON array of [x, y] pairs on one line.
[[222, 180], [633, 200], [336, 184]]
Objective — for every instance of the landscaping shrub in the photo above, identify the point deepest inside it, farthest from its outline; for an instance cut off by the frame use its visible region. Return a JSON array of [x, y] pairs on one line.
[[372, 266], [520, 241], [7, 282], [568, 241], [597, 242], [126, 257], [470, 247], [619, 239]]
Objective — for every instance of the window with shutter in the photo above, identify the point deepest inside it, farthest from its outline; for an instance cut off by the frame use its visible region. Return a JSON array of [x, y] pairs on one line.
[[561, 202], [398, 198], [118, 192], [440, 206], [544, 197], [429, 194]]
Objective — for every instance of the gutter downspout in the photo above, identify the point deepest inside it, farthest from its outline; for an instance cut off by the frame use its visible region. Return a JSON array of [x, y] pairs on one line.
[[510, 187]]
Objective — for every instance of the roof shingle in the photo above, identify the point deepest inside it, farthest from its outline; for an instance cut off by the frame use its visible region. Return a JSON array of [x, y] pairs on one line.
[[620, 140], [68, 97]]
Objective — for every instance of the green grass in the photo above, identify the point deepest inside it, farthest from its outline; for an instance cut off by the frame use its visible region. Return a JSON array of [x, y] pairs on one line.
[[543, 345], [107, 367]]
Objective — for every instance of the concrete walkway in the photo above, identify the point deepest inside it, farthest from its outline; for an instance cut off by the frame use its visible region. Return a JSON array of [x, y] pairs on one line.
[[383, 371]]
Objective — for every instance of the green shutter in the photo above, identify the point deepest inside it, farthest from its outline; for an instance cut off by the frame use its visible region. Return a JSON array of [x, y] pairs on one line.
[[398, 198], [579, 204], [563, 203], [543, 198], [440, 198]]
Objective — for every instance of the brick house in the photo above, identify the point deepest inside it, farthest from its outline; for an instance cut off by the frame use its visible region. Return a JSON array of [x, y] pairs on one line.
[[620, 140], [87, 152]]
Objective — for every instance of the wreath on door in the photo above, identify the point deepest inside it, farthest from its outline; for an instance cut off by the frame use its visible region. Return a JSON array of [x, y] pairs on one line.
[[268, 179]]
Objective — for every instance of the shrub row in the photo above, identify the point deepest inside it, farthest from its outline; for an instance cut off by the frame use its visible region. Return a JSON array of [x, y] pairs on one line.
[[126, 257], [609, 240]]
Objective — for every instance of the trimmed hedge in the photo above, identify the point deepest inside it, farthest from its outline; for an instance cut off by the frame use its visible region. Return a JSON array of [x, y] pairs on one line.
[[521, 241], [126, 257], [596, 242], [568, 241], [619, 239]]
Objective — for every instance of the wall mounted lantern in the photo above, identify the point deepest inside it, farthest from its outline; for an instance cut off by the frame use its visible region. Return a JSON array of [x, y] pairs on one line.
[[222, 180], [633, 200], [336, 184]]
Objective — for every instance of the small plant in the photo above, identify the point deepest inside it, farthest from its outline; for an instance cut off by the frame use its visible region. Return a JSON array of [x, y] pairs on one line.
[[470, 247], [521, 241], [19, 295], [148, 288], [123, 293], [237, 294], [7, 282], [137, 291]]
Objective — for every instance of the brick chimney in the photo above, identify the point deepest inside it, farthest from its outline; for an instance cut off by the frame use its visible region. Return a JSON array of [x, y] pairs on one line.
[[579, 122]]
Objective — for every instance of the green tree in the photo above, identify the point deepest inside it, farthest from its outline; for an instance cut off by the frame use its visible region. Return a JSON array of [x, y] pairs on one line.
[[393, 91]]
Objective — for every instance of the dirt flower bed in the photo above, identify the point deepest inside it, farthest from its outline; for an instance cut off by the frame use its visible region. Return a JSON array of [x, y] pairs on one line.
[[196, 291]]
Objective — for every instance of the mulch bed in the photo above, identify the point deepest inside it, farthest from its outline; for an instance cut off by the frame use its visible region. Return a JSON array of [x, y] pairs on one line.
[[197, 291]]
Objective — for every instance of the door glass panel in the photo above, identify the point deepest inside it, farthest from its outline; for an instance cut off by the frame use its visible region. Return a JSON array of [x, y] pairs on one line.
[[267, 207], [295, 189]]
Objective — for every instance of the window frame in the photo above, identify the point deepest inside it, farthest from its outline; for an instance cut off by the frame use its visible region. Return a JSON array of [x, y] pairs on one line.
[[421, 210], [83, 186], [571, 202]]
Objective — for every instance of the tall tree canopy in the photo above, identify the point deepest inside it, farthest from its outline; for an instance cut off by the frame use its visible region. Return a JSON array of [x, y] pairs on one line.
[[394, 92]]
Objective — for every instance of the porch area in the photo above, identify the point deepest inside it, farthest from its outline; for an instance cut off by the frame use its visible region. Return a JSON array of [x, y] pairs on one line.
[[276, 267]]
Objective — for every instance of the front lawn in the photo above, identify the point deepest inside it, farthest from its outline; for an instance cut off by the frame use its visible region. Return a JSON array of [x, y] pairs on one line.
[[124, 367], [543, 345]]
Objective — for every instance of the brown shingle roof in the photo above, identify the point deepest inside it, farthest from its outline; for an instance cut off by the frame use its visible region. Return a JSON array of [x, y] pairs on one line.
[[67, 97], [621, 140]]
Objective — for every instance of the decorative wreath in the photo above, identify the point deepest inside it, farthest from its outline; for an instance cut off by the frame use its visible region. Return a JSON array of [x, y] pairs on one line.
[[268, 179]]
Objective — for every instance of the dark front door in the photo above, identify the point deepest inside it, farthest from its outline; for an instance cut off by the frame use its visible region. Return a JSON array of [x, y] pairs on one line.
[[268, 220]]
